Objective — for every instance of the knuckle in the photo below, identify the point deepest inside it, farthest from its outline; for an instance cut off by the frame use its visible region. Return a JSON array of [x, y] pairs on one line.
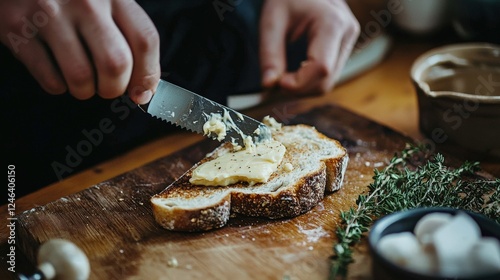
[[343, 20], [323, 70], [117, 63], [354, 27], [51, 8], [12, 23], [87, 7], [147, 40]]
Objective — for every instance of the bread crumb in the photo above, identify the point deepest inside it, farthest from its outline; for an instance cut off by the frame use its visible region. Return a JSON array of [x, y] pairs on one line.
[[314, 234], [172, 262], [288, 167]]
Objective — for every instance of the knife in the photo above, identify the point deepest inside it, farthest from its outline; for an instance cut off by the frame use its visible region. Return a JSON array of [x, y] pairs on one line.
[[191, 111]]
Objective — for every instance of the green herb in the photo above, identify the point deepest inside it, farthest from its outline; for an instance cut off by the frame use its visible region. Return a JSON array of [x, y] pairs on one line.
[[410, 182]]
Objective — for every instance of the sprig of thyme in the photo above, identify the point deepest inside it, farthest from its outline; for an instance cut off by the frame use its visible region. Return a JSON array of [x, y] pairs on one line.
[[409, 182]]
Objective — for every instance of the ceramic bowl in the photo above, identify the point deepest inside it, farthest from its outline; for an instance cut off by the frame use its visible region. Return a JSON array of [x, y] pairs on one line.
[[458, 90], [406, 221]]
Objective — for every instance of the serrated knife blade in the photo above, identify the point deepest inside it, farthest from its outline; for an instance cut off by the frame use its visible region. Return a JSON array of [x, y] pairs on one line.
[[191, 111]]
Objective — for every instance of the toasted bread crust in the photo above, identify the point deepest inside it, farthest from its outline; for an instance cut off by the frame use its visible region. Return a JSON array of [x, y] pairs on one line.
[[201, 219], [298, 199], [186, 207]]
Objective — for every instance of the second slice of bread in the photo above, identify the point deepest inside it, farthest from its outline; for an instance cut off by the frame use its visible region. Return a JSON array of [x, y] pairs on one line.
[[319, 165]]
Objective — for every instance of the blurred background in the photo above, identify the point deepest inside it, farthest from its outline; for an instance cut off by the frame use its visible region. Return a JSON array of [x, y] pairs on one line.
[[463, 20]]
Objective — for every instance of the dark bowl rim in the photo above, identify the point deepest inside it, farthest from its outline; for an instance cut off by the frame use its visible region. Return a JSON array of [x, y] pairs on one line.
[[381, 224], [422, 58]]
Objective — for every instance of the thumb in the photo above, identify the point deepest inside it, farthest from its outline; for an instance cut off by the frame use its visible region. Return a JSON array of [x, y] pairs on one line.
[[273, 27]]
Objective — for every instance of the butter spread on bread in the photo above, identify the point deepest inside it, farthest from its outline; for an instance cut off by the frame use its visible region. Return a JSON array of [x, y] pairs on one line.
[[312, 165], [252, 164]]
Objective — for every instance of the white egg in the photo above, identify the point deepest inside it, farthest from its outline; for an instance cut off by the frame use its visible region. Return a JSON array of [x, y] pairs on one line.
[[485, 256], [428, 224], [399, 247], [453, 241]]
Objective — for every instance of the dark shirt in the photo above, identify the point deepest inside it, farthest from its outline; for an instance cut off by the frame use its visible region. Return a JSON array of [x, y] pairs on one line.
[[209, 47]]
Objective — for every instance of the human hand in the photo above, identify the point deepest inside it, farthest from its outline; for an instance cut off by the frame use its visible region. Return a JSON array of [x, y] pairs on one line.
[[84, 46], [331, 31]]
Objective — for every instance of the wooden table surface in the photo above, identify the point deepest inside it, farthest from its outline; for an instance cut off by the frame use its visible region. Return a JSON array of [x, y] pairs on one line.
[[384, 94]]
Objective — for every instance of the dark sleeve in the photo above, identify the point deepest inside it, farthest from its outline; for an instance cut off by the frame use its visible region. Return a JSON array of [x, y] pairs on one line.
[[47, 137], [209, 47]]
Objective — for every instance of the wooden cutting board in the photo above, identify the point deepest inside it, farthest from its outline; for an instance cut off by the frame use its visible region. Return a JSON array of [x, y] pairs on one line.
[[112, 222]]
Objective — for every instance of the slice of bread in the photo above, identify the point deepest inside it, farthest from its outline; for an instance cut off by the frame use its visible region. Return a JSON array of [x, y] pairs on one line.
[[318, 162]]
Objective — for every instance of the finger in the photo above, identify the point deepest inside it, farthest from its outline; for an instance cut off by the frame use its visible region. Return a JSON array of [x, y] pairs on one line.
[[324, 50], [327, 52], [307, 79], [71, 58], [109, 50], [333, 42], [315, 74], [143, 39], [345, 51], [273, 28], [33, 54]]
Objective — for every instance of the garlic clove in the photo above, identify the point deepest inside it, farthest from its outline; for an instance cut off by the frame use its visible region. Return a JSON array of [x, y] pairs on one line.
[[485, 256], [428, 224], [399, 247], [68, 261], [423, 261], [453, 241]]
